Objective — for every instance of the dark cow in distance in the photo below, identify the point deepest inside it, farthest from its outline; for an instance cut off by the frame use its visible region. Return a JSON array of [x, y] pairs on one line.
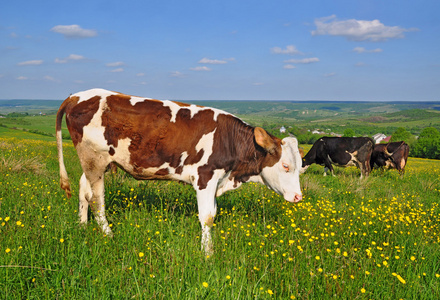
[[210, 149], [340, 151], [390, 156]]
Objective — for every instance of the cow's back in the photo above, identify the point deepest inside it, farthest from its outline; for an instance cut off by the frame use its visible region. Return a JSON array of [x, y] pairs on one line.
[[348, 144]]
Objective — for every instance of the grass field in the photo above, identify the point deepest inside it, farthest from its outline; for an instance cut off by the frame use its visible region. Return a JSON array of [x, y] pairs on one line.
[[377, 238]]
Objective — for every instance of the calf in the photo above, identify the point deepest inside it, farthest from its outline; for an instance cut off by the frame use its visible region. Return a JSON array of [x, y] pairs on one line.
[[150, 139], [340, 151], [392, 155]]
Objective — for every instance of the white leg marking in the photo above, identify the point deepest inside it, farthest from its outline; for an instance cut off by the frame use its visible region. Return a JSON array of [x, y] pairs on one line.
[[207, 206], [85, 195]]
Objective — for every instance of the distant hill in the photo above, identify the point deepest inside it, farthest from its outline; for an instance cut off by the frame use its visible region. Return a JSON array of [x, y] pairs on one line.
[[300, 109], [330, 116], [29, 106]]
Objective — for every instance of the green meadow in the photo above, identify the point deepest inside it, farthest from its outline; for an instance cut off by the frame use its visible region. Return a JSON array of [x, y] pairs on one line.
[[376, 238]]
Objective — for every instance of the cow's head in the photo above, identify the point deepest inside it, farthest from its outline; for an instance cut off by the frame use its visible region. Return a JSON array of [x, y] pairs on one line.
[[282, 165]]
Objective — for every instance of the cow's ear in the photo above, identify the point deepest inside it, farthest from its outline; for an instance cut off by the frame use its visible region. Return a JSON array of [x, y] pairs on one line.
[[264, 140]]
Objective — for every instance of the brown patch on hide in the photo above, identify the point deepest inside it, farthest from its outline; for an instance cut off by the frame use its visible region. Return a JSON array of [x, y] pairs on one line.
[[79, 115], [154, 138], [162, 172]]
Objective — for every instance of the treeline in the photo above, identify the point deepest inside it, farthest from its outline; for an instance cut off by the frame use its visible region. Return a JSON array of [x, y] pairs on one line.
[[17, 115], [426, 145]]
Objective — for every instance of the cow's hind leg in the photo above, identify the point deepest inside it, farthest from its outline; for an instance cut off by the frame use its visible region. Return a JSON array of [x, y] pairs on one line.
[[98, 205], [92, 190], [85, 195], [365, 168]]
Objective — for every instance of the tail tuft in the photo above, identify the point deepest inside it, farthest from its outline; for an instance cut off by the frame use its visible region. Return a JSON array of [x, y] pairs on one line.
[[65, 185]]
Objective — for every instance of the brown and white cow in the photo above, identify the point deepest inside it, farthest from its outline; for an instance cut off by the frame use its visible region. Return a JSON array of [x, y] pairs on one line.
[[393, 155], [151, 139]]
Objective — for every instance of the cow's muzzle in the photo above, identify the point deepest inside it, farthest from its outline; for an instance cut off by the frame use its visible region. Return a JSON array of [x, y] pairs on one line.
[[296, 199]]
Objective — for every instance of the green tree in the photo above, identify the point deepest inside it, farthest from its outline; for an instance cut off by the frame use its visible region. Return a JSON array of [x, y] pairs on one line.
[[401, 134], [348, 132], [428, 144]]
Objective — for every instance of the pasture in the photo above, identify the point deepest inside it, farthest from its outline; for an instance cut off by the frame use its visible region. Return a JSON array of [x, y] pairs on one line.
[[377, 238]]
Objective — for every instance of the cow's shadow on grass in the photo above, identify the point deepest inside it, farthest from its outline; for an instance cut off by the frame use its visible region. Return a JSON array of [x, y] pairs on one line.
[[124, 193]]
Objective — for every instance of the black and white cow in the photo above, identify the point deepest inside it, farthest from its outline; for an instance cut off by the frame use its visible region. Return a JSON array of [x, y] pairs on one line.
[[210, 149], [340, 151], [390, 156]]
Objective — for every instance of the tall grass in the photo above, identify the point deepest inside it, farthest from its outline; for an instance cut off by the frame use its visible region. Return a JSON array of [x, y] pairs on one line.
[[376, 238]]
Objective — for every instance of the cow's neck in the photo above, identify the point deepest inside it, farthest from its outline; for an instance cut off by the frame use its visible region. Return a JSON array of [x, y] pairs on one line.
[[248, 157]]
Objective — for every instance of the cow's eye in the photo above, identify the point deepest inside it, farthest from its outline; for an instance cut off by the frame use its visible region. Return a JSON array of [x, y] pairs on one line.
[[286, 167]]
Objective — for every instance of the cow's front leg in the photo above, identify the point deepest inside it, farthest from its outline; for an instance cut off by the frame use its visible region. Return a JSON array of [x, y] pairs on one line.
[[207, 210]]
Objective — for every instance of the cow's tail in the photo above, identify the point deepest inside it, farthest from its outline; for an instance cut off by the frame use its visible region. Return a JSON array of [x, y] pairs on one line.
[[64, 179], [367, 151]]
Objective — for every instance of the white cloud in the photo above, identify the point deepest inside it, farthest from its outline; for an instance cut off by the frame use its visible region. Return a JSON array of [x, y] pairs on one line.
[[115, 64], [363, 50], [289, 67], [290, 49], [330, 74], [140, 74], [302, 61], [204, 68], [118, 70], [31, 63], [71, 57], [359, 64], [177, 74], [50, 78], [22, 78], [212, 61], [75, 57], [257, 83], [74, 31], [358, 30]]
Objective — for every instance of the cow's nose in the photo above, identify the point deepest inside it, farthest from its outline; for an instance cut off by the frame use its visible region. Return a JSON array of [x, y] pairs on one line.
[[298, 197]]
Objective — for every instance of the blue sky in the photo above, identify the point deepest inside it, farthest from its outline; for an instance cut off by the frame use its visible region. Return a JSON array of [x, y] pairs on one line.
[[222, 50]]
